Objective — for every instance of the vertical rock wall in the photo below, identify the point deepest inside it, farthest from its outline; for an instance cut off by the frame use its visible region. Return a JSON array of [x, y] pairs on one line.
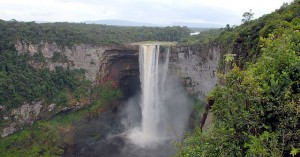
[[118, 65], [197, 66], [115, 64]]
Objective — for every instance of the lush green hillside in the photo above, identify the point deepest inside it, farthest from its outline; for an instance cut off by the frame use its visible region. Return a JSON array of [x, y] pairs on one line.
[[256, 110], [20, 82], [244, 40], [77, 33], [52, 137]]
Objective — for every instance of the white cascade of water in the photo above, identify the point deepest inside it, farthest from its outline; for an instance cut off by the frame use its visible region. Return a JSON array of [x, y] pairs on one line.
[[153, 75]]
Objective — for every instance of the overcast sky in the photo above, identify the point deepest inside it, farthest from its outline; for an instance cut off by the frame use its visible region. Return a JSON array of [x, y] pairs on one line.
[[150, 11]]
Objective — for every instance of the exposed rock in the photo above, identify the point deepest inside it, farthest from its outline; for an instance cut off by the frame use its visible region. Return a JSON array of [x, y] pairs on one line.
[[51, 107], [79, 56], [27, 113], [48, 49], [32, 49], [206, 118], [115, 64], [7, 131], [86, 57], [16, 118], [197, 66], [120, 68], [19, 47]]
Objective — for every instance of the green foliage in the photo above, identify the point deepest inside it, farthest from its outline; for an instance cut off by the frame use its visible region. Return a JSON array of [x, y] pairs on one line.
[[266, 145], [229, 57], [68, 34], [244, 40], [59, 57], [204, 38], [49, 138], [20, 82], [102, 95], [38, 58], [257, 110], [219, 142], [295, 151], [106, 93], [198, 111], [61, 98], [247, 16], [39, 140]]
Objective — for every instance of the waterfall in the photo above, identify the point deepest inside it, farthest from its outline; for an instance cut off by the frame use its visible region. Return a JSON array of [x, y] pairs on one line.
[[153, 75]]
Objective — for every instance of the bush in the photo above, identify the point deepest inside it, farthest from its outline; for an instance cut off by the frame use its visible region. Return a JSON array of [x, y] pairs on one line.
[[256, 111]]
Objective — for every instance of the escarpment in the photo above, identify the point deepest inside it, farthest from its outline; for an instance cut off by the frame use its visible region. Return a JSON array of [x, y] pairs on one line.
[[120, 68], [114, 65], [197, 66]]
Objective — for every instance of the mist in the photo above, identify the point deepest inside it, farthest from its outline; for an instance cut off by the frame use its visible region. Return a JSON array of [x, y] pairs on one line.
[[158, 114], [154, 118]]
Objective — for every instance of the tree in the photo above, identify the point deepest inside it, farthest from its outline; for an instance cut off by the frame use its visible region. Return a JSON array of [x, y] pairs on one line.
[[247, 16], [227, 27]]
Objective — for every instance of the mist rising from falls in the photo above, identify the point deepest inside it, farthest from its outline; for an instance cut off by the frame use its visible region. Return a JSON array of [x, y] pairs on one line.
[[164, 105], [150, 120]]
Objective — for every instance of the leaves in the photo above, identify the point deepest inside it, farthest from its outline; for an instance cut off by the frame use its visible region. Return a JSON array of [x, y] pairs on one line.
[[295, 151], [20, 82], [256, 109], [68, 34], [229, 57], [247, 16]]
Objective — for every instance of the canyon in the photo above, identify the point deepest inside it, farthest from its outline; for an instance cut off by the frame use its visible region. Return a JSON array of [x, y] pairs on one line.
[[116, 65]]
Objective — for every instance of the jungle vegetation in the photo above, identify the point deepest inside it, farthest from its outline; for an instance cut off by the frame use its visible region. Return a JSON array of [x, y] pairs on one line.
[[256, 110]]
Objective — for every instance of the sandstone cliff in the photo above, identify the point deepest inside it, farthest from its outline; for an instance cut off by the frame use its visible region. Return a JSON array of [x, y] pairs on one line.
[[197, 66], [117, 65]]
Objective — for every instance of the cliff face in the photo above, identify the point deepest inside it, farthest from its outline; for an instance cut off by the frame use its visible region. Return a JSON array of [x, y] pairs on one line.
[[83, 56], [117, 65], [197, 66], [121, 69]]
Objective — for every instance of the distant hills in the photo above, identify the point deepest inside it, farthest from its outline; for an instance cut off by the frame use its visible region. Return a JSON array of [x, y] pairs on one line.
[[117, 22], [197, 25]]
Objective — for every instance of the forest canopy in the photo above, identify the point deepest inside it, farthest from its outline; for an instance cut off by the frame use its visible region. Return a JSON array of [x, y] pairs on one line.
[[256, 110], [67, 34]]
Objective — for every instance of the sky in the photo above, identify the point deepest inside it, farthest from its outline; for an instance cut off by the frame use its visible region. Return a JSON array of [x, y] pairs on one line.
[[162, 12]]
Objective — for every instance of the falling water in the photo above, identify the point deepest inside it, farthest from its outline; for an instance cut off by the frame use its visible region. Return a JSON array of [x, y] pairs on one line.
[[164, 107], [153, 74]]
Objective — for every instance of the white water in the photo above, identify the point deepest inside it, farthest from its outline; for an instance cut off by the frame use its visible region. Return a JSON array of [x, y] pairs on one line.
[[153, 75]]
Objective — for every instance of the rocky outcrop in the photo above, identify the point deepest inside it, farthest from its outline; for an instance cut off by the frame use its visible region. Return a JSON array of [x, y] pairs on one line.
[[197, 66], [79, 56], [19, 117], [117, 65], [16, 119], [120, 68]]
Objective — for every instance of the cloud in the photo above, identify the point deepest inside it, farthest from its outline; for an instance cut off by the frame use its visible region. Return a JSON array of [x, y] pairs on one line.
[[151, 11]]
